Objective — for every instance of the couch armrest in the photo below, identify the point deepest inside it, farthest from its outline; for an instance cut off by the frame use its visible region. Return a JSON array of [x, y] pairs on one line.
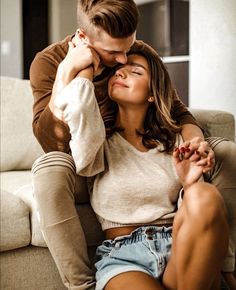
[[216, 123], [15, 225]]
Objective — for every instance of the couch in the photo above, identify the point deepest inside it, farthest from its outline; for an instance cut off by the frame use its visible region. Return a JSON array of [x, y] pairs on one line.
[[26, 262]]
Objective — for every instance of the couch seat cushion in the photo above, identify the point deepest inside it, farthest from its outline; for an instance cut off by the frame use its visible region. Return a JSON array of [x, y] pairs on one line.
[[11, 181], [15, 225]]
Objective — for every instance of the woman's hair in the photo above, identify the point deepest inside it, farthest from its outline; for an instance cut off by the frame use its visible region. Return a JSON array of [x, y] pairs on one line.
[[117, 18], [158, 124]]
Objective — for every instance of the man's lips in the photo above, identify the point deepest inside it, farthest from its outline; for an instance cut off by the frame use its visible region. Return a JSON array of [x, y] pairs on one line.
[[119, 84]]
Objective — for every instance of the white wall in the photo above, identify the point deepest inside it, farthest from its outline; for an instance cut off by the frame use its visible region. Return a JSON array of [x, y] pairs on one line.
[[11, 38], [62, 19], [213, 54]]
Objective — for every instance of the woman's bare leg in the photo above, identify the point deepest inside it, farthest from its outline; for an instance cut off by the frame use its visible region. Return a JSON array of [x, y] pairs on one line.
[[200, 240], [133, 281]]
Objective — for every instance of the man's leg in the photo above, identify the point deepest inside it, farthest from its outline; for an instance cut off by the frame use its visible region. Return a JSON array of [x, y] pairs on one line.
[[200, 239], [54, 185], [223, 176]]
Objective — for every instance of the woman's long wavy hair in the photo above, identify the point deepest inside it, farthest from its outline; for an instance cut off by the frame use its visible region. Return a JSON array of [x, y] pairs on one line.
[[159, 127]]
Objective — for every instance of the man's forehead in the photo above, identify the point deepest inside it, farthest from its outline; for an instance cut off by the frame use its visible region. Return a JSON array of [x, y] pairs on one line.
[[116, 45]]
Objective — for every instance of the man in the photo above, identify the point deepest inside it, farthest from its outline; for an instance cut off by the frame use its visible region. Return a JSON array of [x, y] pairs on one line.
[[106, 32]]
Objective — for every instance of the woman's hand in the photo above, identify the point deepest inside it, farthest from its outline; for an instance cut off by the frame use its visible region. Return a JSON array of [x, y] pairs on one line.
[[186, 164], [197, 144], [80, 57]]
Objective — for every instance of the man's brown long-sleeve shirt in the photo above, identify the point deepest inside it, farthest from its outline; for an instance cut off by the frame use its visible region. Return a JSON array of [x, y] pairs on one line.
[[52, 133]]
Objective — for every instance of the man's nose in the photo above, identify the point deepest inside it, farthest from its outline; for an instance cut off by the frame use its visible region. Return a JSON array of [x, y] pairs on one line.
[[121, 58]]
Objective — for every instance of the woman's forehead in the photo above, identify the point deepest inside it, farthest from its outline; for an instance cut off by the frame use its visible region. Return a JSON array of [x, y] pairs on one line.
[[137, 60]]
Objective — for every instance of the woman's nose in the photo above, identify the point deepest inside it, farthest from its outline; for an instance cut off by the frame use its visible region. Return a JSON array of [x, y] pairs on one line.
[[120, 73]]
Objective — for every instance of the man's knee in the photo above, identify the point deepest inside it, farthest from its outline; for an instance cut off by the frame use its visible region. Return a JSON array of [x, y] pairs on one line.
[[53, 174], [225, 153], [53, 161]]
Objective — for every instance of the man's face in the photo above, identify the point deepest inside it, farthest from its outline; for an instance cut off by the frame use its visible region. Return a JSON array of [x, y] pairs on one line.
[[111, 50]]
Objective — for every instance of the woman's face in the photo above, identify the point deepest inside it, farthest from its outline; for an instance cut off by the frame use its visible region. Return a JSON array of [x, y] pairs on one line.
[[130, 82]]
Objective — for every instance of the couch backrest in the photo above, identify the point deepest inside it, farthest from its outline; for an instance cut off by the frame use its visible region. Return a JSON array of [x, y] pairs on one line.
[[19, 147]]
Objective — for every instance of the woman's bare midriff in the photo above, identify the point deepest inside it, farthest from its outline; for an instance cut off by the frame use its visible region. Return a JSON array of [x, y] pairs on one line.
[[113, 233]]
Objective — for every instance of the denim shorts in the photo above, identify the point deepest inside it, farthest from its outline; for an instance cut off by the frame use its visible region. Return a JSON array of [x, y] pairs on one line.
[[147, 249]]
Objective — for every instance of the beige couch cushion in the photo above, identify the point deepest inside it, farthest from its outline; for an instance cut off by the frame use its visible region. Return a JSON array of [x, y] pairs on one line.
[[15, 224], [216, 123], [19, 147], [11, 181], [19, 183]]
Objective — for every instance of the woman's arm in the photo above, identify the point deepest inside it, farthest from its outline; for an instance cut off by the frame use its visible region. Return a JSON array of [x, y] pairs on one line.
[[50, 72], [81, 112], [187, 166]]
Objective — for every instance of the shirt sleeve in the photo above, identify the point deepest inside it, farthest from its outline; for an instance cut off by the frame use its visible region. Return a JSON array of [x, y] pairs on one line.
[[82, 114], [51, 133], [181, 114]]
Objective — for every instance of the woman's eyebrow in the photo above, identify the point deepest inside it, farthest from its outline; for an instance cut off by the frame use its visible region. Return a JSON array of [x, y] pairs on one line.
[[137, 65]]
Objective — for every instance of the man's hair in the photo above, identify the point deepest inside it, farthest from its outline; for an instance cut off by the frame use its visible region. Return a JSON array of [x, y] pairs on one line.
[[117, 18]]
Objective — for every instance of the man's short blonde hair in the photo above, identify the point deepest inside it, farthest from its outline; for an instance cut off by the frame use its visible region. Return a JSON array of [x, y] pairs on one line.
[[117, 18]]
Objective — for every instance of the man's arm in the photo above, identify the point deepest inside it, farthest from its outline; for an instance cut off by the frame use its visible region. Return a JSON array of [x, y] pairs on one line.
[[51, 133], [190, 131], [50, 72]]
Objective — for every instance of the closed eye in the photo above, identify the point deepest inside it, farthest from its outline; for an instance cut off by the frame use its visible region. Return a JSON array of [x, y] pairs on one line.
[[137, 72]]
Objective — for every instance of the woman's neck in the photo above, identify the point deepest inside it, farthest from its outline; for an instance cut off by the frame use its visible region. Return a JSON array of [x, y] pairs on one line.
[[130, 120], [132, 123]]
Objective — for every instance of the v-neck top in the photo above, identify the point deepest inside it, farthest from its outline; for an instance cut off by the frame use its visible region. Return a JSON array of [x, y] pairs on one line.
[[127, 186]]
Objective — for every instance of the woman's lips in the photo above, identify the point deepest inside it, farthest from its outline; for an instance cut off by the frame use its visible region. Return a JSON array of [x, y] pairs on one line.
[[119, 84]]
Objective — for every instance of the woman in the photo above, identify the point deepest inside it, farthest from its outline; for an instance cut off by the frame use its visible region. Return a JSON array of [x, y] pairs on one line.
[[138, 164]]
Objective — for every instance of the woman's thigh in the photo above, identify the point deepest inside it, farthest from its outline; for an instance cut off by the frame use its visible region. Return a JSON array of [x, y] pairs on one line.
[[133, 281]]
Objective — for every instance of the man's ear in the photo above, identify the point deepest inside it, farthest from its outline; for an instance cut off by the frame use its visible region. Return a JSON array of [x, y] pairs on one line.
[[82, 36], [150, 99]]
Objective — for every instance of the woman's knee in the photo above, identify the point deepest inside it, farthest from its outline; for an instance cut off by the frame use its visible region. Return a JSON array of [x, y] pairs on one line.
[[204, 202]]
